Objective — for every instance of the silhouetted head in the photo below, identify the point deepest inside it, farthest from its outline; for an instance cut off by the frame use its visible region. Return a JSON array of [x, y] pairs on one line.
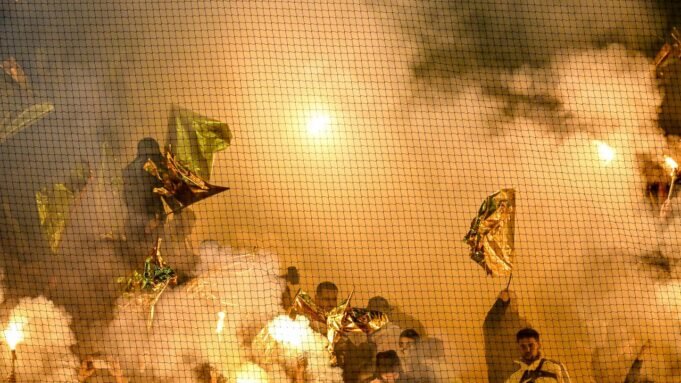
[[378, 303], [292, 275], [326, 295], [388, 366], [147, 147]]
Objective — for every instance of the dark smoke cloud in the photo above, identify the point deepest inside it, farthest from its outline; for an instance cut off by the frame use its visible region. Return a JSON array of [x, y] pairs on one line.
[[460, 36]]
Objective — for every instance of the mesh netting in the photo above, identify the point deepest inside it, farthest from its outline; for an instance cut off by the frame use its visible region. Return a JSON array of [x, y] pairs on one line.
[[273, 191]]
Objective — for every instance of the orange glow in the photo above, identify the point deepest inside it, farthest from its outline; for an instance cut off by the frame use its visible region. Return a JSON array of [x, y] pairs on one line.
[[318, 124], [605, 152], [287, 331], [14, 334], [251, 373], [221, 322], [671, 163]]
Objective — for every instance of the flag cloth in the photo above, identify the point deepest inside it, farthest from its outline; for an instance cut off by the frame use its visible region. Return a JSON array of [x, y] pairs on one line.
[[491, 234], [181, 187], [340, 320], [54, 203], [195, 139]]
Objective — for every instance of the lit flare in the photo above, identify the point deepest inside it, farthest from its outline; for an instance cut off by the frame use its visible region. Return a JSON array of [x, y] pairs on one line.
[[221, 322], [287, 331], [671, 164], [605, 152], [318, 124], [14, 333]]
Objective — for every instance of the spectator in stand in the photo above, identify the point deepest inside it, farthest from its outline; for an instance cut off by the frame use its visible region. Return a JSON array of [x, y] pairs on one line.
[[356, 362], [534, 367], [414, 364], [388, 368], [326, 298], [397, 317], [409, 340], [326, 295], [145, 209], [366, 373], [387, 337], [501, 324]]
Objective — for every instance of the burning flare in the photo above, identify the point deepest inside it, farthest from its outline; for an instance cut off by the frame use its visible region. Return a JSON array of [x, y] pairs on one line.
[[221, 322], [14, 334], [318, 124], [287, 331], [671, 164], [605, 152]]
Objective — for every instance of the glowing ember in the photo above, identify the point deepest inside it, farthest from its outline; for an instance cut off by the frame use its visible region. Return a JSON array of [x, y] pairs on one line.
[[251, 373], [287, 331], [221, 322], [14, 334], [605, 151], [318, 124]]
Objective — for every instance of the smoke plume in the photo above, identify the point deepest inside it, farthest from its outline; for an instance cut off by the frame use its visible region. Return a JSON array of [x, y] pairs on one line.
[[432, 106]]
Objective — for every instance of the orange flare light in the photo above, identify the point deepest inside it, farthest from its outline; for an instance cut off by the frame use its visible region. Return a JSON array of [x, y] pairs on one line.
[[318, 124], [14, 334], [671, 163], [605, 152], [251, 373], [287, 331], [221, 322]]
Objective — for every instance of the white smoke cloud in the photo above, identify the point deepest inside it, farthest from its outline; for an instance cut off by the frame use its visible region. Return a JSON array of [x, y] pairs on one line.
[[283, 340], [506, 94], [44, 353], [184, 332]]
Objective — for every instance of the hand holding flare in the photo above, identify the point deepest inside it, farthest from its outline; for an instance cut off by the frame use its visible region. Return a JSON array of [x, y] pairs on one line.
[[666, 208], [14, 335]]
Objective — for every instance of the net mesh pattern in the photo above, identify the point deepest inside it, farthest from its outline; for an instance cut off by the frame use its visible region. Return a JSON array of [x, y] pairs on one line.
[[278, 191]]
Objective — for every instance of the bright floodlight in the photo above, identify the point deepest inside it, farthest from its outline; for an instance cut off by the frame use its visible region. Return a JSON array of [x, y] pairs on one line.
[[605, 151], [318, 124]]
